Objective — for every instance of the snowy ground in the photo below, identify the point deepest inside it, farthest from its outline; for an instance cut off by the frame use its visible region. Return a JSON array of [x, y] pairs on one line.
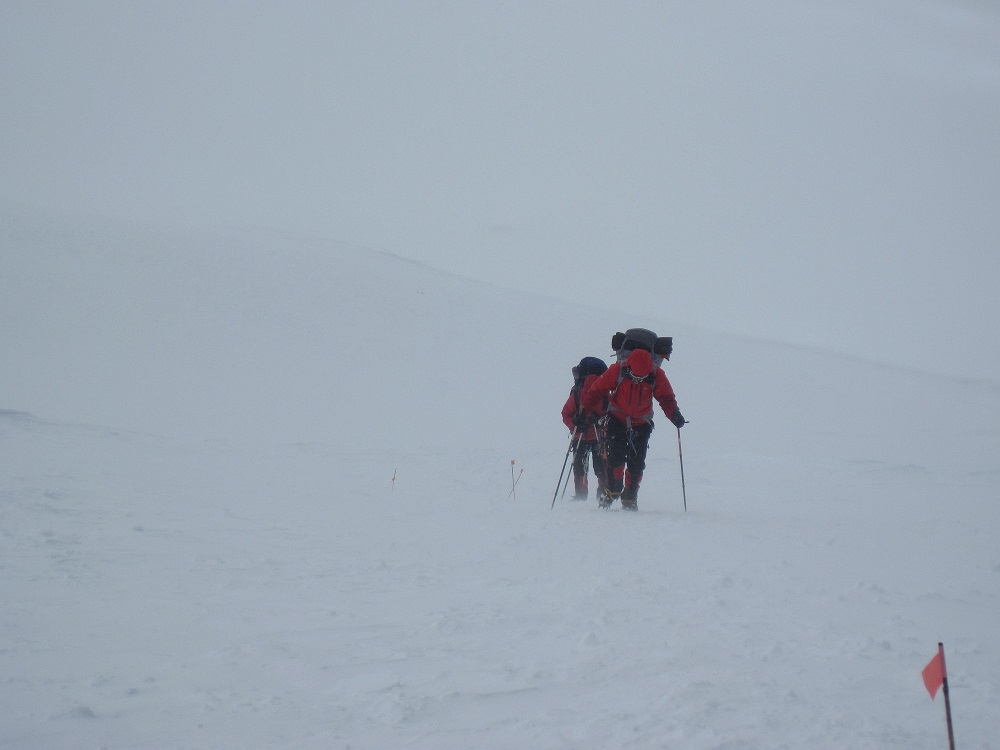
[[201, 544]]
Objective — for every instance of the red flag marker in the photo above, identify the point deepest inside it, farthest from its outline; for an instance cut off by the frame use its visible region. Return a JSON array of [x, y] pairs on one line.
[[936, 676], [933, 674]]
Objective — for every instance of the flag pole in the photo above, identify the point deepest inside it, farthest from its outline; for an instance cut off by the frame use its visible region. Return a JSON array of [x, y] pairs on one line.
[[947, 699]]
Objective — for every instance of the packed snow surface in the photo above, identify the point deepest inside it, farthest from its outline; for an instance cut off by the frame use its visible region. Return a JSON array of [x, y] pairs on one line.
[[255, 491]]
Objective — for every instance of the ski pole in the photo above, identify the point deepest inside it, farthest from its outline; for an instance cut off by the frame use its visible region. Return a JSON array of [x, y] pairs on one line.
[[569, 474], [565, 460], [680, 455], [586, 464]]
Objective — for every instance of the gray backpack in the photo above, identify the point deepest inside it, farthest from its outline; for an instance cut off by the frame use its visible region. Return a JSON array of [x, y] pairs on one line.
[[642, 338]]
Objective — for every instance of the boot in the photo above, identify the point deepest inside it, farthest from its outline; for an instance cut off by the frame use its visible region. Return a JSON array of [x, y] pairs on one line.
[[630, 496], [608, 497]]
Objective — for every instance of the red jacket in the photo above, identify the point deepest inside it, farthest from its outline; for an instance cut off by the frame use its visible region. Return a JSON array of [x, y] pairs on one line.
[[574, 405], [629, 399]]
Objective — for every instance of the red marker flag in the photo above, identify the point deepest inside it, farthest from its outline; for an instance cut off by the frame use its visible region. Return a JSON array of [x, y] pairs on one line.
[[933, 674], [936, 676]]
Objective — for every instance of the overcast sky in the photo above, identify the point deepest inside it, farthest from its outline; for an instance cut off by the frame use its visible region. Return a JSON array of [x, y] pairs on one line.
[[825, 173]]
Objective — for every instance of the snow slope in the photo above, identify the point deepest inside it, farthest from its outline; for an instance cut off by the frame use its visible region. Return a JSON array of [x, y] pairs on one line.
[[202, 545]]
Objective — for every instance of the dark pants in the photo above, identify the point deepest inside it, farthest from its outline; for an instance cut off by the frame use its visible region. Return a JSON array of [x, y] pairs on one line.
[[626, 454], [581, 466]]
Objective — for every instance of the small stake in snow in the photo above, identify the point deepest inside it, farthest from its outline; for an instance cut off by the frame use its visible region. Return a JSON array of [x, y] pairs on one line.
[[513, 482], [393, 481], [936, 676]]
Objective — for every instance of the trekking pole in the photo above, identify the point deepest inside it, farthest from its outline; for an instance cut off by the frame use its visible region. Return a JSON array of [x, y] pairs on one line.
[[680, 455], [570, 474], [586, 466], [565, 461]]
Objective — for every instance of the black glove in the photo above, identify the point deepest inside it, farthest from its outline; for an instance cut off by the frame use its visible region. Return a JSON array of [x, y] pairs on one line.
[[579, 421], [677, 419]]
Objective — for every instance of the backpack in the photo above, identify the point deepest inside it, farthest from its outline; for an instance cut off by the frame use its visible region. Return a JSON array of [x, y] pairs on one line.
[[642, 338], [587, 366]]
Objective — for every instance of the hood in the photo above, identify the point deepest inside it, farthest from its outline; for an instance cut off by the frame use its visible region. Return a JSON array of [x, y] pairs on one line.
[[639, 363]]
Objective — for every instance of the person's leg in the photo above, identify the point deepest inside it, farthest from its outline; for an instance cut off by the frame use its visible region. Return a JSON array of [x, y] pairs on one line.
[[600, 467], [638, 443], [617, 446], [580, 471]]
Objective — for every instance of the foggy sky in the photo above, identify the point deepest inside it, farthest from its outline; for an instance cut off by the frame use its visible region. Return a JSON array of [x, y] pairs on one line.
[[825, 173]]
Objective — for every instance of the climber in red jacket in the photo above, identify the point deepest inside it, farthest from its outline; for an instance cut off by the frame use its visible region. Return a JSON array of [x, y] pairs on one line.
[[630, 387], [589, 433]]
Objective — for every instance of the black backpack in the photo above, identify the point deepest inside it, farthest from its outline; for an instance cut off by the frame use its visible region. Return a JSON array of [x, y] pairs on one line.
[[587, 366]]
